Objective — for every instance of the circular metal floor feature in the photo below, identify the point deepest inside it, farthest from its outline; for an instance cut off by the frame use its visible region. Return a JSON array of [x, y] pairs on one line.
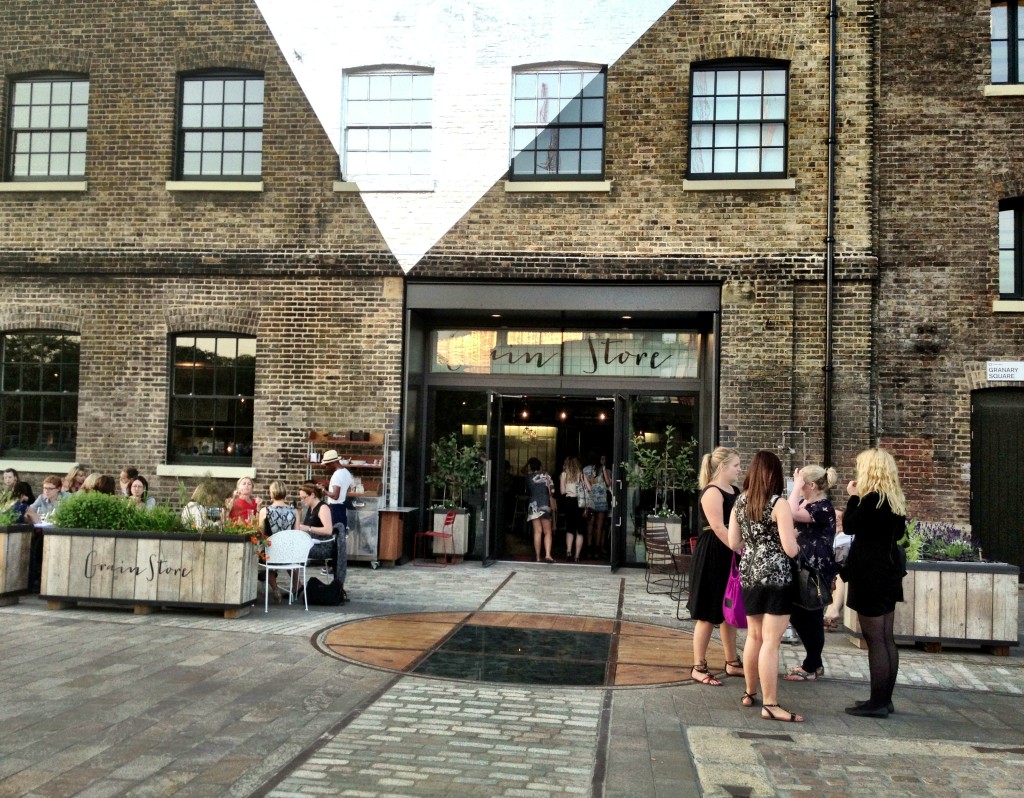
[[519, 648]]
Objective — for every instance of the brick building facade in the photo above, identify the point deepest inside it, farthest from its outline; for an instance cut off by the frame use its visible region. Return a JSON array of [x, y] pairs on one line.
[[336, 276]]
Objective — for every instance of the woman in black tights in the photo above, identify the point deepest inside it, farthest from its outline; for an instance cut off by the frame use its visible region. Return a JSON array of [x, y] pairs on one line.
[[876, 517]]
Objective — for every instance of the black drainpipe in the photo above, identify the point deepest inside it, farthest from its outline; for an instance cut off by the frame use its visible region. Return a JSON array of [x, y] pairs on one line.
[[830, 240]]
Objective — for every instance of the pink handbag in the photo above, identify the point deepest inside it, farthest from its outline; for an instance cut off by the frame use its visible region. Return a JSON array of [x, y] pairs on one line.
[[732, 603]]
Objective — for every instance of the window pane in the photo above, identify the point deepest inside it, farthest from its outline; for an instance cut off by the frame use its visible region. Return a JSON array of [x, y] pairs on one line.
[[595, 86], [213, 115], [774, 108], [750, 108], [191, 163], [725, 161], [526, 84], [1006, 273], [728, 82], [726, 108], [213, 91], [61, 116], [254, 116], [233, 116], [253, 163], [254, 90], [593, 110], [523, 164], [422, 87], [749, 135], [593, 138], [1000, 62], [570, 114], [525, 112], [380, 87], [591, 163], [232, 163], [234, 91], [191, 116], [772, 159], [748, 160], [192, 91], [569, 163]]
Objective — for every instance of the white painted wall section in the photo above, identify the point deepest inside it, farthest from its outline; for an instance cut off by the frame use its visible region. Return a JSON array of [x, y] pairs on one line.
[[472, 48]]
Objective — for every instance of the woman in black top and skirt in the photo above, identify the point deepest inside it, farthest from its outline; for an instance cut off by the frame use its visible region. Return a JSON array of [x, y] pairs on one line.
[[709, 569], [873, 572]]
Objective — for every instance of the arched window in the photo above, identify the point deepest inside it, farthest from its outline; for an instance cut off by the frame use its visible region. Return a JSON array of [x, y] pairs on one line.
[[213, 382], [1011, 248], [39, 394], [47, 126], [558, 117], [220, 129], [738, 120]]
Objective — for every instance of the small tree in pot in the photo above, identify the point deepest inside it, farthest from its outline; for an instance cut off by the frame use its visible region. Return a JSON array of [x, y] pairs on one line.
[[455, 469], [666, 467]]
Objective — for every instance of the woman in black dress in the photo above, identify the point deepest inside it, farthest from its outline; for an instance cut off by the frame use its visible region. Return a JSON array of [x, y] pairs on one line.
[[709, 568], [876, 517]]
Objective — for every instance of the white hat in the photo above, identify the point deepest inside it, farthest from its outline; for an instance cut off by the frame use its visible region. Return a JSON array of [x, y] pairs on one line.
[[330, 456]]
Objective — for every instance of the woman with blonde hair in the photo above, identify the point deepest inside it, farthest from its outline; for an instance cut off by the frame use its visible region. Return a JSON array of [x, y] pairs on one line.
[[815, 520], [762, 526], [712, 558], [876, 517]]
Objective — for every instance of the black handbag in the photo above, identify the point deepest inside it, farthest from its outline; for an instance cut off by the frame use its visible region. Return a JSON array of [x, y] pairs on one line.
[[812, 591]]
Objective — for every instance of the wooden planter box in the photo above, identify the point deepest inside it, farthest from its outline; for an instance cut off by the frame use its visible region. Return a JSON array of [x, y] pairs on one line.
[[959, 603], [146, 569], [15, 548]]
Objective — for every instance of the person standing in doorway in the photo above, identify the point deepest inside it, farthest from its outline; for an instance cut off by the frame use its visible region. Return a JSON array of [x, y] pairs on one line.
[[336, 493], [573, 487], [541, 492], [599, 483]]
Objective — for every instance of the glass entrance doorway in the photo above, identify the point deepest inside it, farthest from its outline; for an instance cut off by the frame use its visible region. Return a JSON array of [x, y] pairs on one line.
[[512, 429]]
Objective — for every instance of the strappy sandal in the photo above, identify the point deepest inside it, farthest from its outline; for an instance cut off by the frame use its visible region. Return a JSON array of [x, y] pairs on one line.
[[800, 675], [749, 700], [793, 717], [706, 678], [734, 663]]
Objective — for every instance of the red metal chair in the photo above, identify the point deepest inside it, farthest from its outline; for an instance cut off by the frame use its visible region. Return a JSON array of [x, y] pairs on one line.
[[445, 533]]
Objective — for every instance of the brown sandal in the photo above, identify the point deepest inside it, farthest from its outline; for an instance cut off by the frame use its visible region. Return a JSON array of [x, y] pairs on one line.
[[705, 675], [734, 663], [749, 700]]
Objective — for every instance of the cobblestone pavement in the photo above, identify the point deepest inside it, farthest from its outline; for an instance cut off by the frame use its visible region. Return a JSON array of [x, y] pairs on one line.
[[101, 702]]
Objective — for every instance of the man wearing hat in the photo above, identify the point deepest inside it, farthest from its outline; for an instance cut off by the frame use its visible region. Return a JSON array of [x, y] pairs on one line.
[[337, 491]]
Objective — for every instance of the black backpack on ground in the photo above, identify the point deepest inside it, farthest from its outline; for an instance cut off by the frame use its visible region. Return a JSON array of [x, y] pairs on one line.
[[325, 595]]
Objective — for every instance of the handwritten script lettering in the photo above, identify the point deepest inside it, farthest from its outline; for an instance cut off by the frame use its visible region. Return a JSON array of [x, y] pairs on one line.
[[656, 359], [155, 567]]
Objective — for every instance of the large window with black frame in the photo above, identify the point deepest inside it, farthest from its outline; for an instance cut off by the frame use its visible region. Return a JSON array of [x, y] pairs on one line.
[[738, 120], [558, 120], [1011, 248], [39, 394], [1007, 41], [220, 129], [47, 126], [213, 385]]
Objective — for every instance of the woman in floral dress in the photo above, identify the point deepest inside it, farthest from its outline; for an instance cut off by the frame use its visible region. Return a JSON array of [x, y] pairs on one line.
[[762, 526]]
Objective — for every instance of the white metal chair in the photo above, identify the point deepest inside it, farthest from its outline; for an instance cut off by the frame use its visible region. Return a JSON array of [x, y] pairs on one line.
[[287, 550]]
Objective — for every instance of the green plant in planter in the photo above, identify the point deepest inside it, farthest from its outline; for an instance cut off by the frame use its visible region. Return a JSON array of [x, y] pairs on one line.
[[7, 514], [102, 511], [455, 469], [934, 540], [666, 467]]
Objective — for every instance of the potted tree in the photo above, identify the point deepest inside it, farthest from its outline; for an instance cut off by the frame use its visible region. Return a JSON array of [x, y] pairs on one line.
[[455, 468], [663, 466]]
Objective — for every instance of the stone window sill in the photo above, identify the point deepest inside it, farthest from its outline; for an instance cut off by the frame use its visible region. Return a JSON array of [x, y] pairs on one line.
[[1004, 90], [1008, 306], [557, 186], [58, 467], [781, 184], [199, 471], [255, 186], [386, 185], [21, 186]]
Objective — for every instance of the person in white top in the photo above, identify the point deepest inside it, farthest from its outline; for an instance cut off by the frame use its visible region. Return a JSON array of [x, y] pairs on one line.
[[336, 491]]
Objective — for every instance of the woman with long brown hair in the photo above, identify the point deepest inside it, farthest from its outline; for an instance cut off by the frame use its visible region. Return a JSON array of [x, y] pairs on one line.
[[762, 526]]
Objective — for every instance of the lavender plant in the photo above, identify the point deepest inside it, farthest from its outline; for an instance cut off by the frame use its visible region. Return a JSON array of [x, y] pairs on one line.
[[937, 540]]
